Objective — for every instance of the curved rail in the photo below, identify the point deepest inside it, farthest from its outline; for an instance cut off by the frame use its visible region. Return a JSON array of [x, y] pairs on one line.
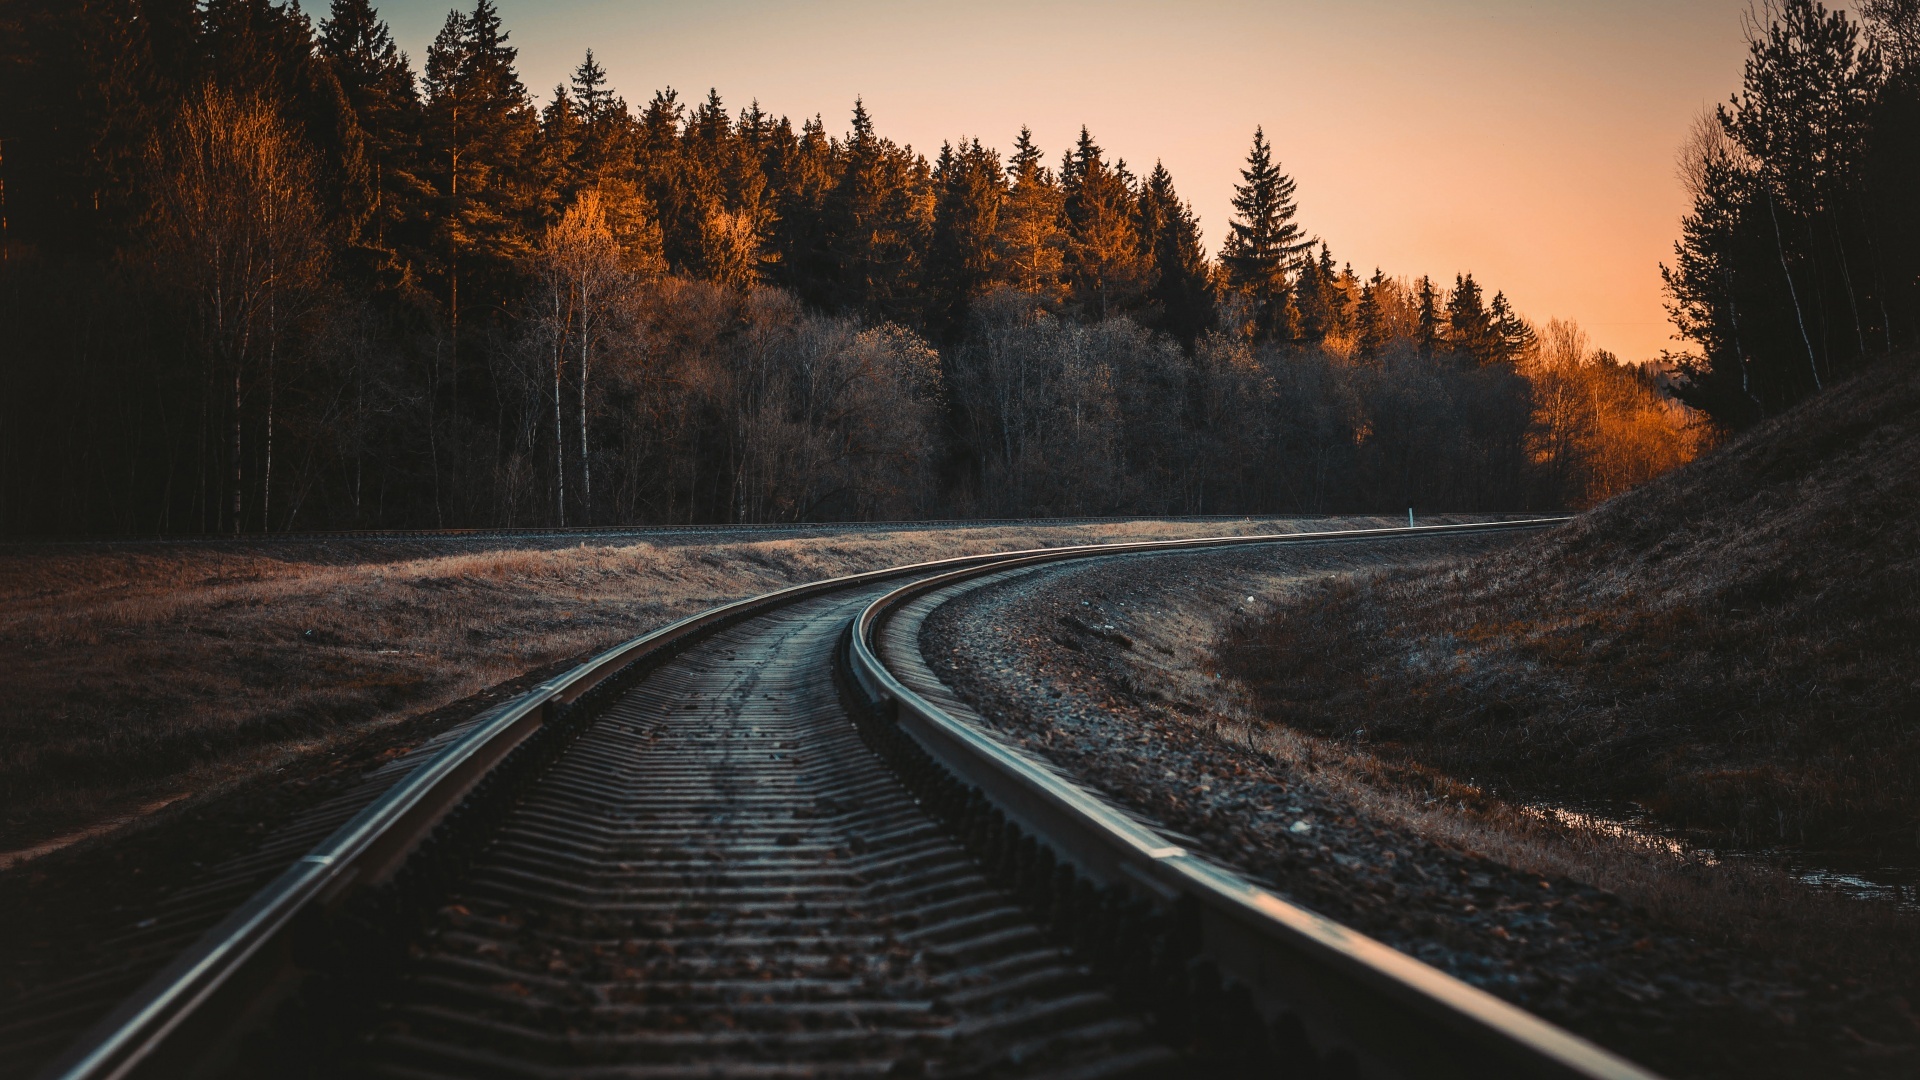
[[244, 960], [1391, 1014]]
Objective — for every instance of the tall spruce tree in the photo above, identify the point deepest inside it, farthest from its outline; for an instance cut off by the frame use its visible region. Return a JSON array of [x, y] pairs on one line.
[[259, 49], [1371, 332], [1426, 331], [606, 155], [374, 75], [801, 171], [853, 215], [1104, 261], [1182, 282], [877, 218], [1030, 241], [1320, 298], [665, 179], [960, 258], [480, 129], [590, 90], [1470, 332], [1266, 245], [562, 129], [1511, 335], [719, 218]]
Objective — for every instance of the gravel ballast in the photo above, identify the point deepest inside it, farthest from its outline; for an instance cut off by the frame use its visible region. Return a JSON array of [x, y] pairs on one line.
[[1104, 669]]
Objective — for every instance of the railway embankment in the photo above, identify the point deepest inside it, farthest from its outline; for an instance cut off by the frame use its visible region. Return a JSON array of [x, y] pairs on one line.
[[1734, 648], [1695, 967]]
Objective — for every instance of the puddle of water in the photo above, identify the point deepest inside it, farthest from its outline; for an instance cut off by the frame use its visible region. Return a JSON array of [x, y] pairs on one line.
[[1870, 881], [1836, 872]]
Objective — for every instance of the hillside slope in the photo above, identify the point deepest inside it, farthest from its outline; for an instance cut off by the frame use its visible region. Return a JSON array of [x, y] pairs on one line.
[[1735, 646]]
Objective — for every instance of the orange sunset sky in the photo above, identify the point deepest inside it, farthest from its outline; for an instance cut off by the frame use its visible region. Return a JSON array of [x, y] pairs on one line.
[[1531, 143]]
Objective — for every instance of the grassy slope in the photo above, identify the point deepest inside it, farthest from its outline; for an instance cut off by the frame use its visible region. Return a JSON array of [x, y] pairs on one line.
[[1736, 645]]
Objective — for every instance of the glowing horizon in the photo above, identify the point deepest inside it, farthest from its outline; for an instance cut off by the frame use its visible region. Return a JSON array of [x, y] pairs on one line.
[[1531, 144]]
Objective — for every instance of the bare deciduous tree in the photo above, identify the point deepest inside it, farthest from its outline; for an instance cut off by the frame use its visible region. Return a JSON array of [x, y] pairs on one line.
[[234, 231], [586, 270]]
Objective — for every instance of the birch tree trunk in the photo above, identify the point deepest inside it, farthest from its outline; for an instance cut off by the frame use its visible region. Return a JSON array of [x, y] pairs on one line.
[[266, 482], [234, 235], [559, 429], [586, 464], [237, 473], [1780, 247]]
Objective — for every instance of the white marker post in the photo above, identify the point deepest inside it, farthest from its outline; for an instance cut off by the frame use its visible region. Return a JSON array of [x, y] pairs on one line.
[[1409, 517]]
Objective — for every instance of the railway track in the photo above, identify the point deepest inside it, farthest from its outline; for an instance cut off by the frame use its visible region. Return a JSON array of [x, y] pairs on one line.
[[682, 859], [584, 533]]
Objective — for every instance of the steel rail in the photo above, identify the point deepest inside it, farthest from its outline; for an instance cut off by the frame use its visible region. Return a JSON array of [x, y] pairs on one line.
[[1396, 1016], [235, 964]]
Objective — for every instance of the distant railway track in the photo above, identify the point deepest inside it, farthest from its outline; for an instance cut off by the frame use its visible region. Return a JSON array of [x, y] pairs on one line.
[[618, 532], [681, 859]]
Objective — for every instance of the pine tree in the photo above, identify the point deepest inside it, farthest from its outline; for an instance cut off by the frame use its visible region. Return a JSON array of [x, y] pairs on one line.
[[1030, 241], [480, 127], [1182, 288], [605, 153], [757, 129], [708, 147], [852, 213], [1347, 286], [259, 49], [1470, 335], [1371, 332], [801, 171], [1511, 335], [724, 207], [664, 178], [1026, 159], [1104, 261], [562, 131], [966, 213], [1426, 333], [378, 84], [876, 220], [1321, 300], [590, 90], [1265, 245]]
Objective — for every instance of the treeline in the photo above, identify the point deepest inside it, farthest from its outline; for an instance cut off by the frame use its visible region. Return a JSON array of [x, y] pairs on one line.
[[261, 274], [1802, 255]]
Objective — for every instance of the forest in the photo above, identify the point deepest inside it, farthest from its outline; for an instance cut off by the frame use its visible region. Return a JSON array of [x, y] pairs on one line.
[[258, 273]]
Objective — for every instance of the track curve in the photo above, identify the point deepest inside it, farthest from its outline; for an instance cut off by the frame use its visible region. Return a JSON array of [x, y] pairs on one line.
[[719, 880]]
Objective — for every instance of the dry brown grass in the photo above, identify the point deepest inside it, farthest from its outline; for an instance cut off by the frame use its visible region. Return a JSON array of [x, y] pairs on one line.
[[1735, 646], [138, 673]]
